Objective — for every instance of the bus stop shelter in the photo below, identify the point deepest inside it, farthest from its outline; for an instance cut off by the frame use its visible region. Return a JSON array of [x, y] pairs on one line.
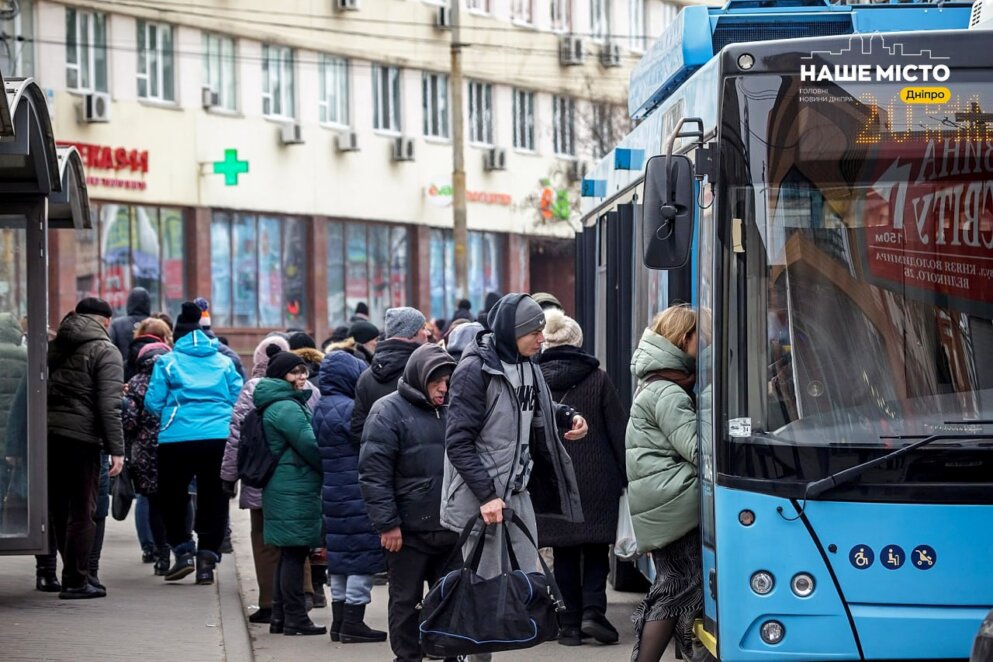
[[42, 187]]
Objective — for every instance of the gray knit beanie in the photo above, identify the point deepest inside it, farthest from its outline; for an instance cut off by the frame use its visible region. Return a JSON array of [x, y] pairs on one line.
[[528, 318], [405, 322], [560, 329]]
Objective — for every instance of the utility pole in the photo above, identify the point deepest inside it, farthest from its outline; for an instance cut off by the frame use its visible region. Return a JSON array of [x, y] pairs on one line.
[[459, 231]]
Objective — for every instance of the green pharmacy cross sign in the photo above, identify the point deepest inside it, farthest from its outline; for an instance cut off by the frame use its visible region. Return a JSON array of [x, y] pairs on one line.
[[230, 167]]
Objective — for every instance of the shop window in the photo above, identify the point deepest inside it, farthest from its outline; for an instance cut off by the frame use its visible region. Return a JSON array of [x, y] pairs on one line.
[[17, 60], [133, 246], [563, 123], [258, 270], [86, 51], [480, 113], [367, 262], [156, 70], [386, 98], [277, 81], [434, 90], [524, 120], [219, 69], [333, 99], [485, 258]]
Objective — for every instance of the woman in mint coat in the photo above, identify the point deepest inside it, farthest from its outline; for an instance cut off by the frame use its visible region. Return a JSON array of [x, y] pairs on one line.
[[291, 500], [663, 485]]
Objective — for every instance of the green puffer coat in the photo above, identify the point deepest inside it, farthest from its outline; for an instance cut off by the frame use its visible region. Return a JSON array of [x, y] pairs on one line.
[[291, 502], [661, 448]]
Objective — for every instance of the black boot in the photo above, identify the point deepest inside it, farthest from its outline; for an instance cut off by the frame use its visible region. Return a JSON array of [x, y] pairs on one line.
[[305, 627], [47, 584], [184, 565], [353, 627], [261, 615], [596, 625], [337, 610], [161, 567], [276, 618], [206, 560]]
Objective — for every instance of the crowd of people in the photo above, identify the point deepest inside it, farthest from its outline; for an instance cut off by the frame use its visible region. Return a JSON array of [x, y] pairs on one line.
[[386, 444]]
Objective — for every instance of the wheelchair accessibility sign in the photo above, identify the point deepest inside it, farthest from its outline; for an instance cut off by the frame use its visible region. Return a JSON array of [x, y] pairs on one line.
[[861, 557]]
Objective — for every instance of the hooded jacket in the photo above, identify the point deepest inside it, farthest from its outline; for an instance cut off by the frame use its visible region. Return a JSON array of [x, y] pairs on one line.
[[85, 382], [122, 328], [250, 498], [141, 427], [576, 379], [661, 447], [352, 542], [379, 380], [13, 367], [193, 390], [482, 438], [291, 500], [403, 450]]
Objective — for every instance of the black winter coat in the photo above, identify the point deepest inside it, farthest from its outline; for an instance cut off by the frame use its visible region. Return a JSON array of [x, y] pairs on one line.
[[379, 380], [122, 328], [85, 384], [576, 379], [403, 451]]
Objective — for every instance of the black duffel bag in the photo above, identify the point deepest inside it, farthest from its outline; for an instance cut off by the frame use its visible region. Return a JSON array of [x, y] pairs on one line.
[[464, 614]]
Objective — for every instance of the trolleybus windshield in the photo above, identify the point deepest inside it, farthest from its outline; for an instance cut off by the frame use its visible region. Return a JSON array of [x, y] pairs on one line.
[[872, 259]]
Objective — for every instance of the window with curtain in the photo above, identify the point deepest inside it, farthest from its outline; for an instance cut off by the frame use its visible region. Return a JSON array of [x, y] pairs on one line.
[[636, 16], [133, 246], [86, 50], [561, 15], [156, 66], [333, 92], [258, 270], [480, 113], [485, 259], [599, 25], [278, 82], [522, 11], [563, 124], [367, 262], [219, 69], [434, 90], [386, 98], [524, 119]]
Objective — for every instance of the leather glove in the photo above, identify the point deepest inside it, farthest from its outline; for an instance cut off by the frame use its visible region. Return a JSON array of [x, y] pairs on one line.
[[229, 489]]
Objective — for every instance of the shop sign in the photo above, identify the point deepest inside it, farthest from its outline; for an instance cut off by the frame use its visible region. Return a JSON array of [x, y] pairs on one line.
[[439, 194], [119, 160]]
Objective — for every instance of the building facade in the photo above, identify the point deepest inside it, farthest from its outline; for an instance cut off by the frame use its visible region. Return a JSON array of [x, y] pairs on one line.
[[288, 164]]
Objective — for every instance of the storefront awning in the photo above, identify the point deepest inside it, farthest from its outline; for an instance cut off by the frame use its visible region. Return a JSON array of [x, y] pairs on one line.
[[28, 162], [70, 208]]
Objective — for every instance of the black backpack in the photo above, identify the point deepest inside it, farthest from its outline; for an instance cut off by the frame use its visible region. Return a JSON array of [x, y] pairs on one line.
[[256, 463]]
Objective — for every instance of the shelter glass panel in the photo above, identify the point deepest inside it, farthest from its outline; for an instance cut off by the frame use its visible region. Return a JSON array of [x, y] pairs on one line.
[[14, 474]]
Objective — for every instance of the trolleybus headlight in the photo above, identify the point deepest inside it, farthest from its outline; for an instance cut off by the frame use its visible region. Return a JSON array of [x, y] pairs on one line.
[[746, 518], [746, 61], [772, 632], [802, 585], [762, 582]]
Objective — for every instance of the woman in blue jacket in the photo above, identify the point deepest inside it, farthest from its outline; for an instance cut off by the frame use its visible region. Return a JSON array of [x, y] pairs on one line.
[[354, 551], [193, 390]]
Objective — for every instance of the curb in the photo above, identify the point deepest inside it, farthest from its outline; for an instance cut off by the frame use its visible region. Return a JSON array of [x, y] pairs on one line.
[[234, 623]]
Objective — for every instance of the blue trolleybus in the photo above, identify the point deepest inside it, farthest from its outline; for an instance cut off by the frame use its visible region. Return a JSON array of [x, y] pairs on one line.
[[818, 181]]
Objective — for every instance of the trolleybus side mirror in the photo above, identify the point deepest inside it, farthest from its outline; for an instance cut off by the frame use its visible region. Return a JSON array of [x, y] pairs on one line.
[[669, 211]]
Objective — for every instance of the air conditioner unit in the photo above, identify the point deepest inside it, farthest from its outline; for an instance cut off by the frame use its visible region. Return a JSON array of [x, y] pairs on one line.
[[610, 56], [403, 149], [571, 51], [575, 171], [210, 98], [291, 134], [96, 107], [443, 19], [495, 159], [346, 142], [346, 5]]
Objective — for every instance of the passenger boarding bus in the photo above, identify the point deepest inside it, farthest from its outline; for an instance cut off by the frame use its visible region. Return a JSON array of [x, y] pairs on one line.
[[818, 181]]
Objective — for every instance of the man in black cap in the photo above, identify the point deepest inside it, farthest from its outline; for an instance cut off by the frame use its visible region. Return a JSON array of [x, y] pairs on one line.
[[366, 337], [85, 384]]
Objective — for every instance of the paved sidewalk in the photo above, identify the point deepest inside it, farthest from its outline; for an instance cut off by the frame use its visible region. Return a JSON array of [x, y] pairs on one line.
[[142, 617]]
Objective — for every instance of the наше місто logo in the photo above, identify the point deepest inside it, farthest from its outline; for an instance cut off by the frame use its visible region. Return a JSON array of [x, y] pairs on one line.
[[924, 67]]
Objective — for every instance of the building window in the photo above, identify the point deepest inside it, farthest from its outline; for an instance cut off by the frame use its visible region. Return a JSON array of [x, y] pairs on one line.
[[258, 267], [669, 12], [524, 120], [563, 119], [386, 98], [481, 6], [434, 92], [367, 262], [480, 113], [485, 257], [17, 60], [86, 51], [604, 129], [522, 11], [219, 69], [599, 27], [156, 71], [133, 246], [277, 81], [333, 100], [636, 9], [561, 15]]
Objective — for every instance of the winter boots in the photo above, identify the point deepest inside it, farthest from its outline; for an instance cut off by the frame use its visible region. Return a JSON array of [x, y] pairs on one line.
[[337, 614], [206, 560], [184, 565], [353, 627], [161, 567]]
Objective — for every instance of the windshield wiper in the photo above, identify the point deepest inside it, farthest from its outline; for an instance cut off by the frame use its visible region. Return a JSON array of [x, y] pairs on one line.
[[817, 487]]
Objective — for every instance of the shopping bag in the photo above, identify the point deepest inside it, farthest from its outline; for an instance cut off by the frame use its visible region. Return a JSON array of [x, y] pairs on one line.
[[625, 545], [464, 614], [121, 494]]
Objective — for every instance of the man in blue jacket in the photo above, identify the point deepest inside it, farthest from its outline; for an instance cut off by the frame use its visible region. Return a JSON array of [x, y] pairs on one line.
[[193, 390]]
